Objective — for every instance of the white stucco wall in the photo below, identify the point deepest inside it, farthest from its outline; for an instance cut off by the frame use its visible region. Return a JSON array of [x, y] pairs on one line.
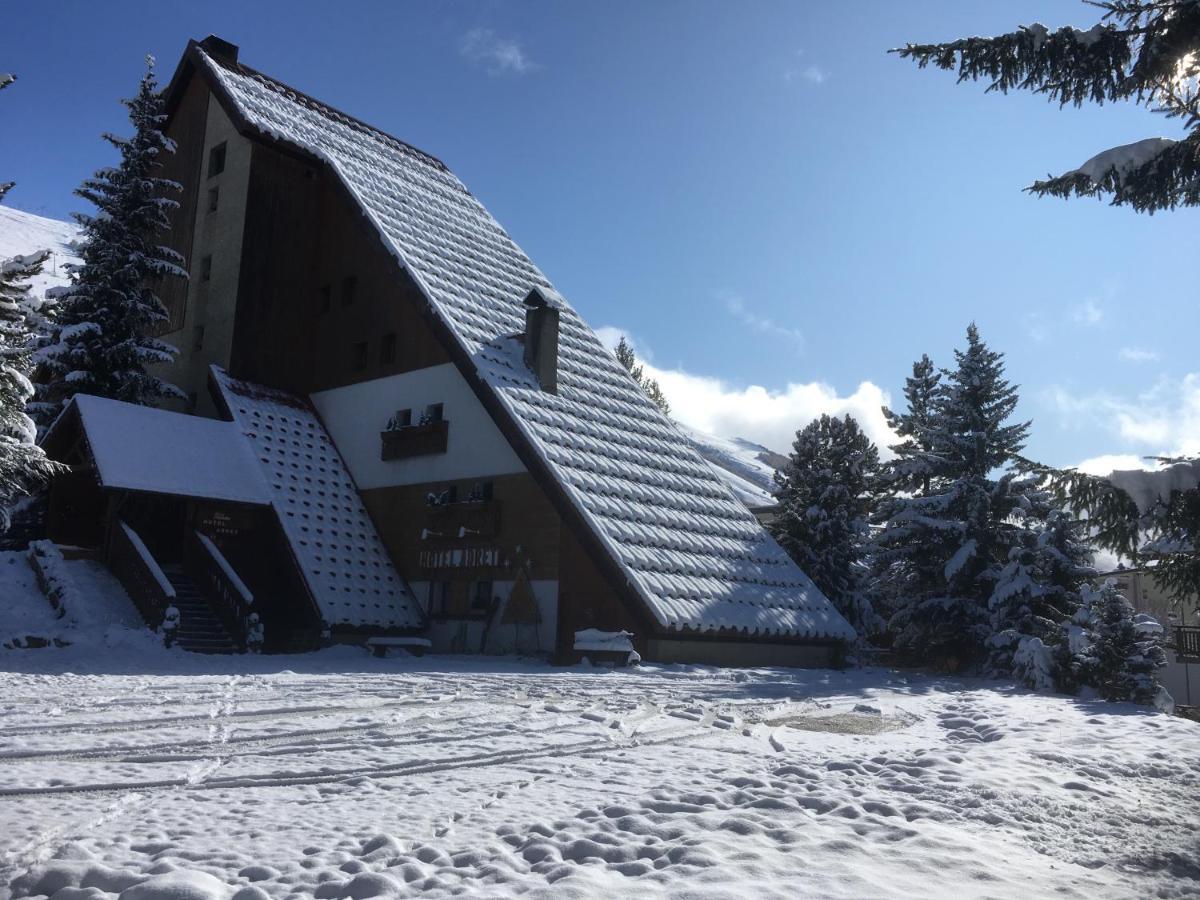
[[355, 415]]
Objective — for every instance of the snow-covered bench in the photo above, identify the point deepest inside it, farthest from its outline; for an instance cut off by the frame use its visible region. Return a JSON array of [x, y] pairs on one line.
[[414, 645], [606, 646]]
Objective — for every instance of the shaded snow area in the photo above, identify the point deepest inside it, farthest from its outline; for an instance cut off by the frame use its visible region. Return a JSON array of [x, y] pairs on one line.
[[338, 775], [22, 234], [94, 611], [746, 467]]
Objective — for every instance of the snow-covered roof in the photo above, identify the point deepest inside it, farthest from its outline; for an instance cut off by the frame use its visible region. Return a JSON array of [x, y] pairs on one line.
[[694, 554], [140, 448], [334, 541]]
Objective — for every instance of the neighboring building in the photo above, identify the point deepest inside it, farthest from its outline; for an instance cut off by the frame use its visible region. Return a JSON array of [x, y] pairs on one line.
[[348, 291], [1182, 630]]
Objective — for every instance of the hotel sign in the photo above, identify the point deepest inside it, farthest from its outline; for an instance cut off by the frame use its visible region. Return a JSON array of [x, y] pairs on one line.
[[461, 558]]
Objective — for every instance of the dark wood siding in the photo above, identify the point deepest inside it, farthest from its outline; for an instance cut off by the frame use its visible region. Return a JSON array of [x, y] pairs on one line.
[[302, 235], [519, 515], [186, 128], [587, 600]]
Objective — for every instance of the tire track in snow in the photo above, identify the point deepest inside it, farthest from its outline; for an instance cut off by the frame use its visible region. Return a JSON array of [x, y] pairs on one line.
[[44, 845], [707, 726]]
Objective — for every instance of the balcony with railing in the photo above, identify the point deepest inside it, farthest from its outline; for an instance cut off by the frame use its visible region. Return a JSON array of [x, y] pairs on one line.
[[1187, 643]]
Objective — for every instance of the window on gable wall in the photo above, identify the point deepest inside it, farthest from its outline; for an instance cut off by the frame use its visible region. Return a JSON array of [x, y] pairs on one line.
[[216, 160], [214, 197], [206, 268], [387, 349], [358, 356]]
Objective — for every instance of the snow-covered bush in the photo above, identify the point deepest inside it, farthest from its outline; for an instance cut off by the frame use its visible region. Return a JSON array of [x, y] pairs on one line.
[[1115, 650]]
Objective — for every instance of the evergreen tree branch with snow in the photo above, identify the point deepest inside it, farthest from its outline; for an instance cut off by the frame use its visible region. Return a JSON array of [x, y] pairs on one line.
[[1144, 51], [627, 358], [24, 468], [824, 496], [102, 343]]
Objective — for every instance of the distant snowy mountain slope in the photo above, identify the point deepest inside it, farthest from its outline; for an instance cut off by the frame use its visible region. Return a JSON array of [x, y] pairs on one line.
[[23, 233], [748, 468]]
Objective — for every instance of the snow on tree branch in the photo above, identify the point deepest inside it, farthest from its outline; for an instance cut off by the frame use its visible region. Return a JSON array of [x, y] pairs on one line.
[[1146, 51]]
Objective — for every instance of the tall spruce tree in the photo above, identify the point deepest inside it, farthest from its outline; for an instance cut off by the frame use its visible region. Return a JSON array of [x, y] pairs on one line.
[[24, 468], [1146, 51], [942, 549], [920, 392], [102, 343], [626, 357], [824, 497]]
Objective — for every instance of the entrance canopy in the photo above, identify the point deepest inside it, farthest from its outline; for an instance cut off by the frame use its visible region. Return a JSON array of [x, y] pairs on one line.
[[139, 448]]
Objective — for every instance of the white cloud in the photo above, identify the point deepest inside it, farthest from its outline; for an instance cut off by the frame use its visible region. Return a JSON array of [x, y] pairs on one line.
[[1036, 326], [813, 73], [1088, 313], [1138, 354], [1116, 462], [1164, 420], [762, 324], [759, 414], [497, 55]]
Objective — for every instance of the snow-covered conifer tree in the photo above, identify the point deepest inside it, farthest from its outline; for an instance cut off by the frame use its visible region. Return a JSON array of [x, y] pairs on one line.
[[1115, 650], [1038, 589], [824, 497], [920, 392], [24, 468], [102, 343], [625, 356], [1147, 51], [941, 551]]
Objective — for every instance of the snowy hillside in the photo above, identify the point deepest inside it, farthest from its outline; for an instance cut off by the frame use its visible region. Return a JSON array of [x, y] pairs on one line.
[[23, 233], [746, 467]]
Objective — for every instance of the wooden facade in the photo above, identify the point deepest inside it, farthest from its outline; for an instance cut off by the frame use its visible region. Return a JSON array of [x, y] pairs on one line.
[[309, 298]]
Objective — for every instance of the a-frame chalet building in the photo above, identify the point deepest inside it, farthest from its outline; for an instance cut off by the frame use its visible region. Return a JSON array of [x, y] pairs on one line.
[[410, 433]]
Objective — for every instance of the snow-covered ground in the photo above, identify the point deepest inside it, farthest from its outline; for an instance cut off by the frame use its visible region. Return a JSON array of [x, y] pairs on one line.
[[748, 468], [166, 775], [23, 233]]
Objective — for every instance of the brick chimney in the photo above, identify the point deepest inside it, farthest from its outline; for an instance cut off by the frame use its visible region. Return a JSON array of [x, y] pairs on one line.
[[542, 307]]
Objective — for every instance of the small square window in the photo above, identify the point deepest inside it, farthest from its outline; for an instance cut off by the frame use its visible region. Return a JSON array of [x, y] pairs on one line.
[[433, 413], [324, 299], [349, 288], [387, 350], [216, 160], [214, 197], [401, 419], [206, 268], [358, 356]]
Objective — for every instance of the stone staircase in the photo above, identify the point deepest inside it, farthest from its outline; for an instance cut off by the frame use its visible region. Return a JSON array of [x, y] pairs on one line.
[[200, 631]]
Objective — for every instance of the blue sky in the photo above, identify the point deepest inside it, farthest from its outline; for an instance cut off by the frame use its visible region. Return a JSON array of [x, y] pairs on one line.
[[780, 214]]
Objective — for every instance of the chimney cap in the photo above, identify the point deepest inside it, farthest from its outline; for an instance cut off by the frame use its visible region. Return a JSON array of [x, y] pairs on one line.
[[544, 297], [220, 49]]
